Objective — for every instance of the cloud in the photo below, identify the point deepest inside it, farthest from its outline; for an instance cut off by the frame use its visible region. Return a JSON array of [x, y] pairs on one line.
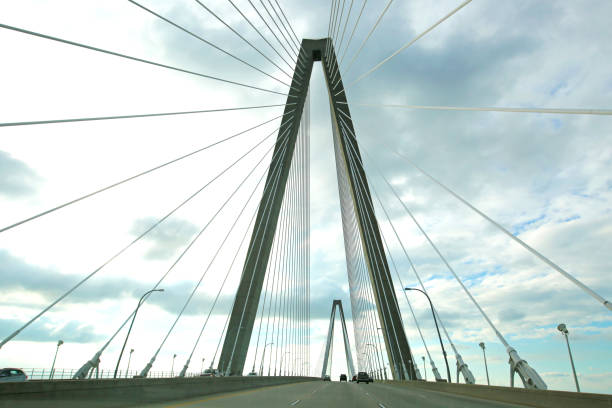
[[166, 238], [17, 179], [17, 275], [46, 330]]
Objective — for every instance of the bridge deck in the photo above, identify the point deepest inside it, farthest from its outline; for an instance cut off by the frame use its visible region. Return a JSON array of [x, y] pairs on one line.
[[272, 392], [335, 394]]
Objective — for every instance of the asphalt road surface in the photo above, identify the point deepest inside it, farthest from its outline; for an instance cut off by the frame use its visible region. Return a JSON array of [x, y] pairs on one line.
[[334, 394]]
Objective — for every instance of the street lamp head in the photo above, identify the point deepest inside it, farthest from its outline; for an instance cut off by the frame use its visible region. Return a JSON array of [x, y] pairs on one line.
[[481, 344], [408, 289], [174, 356], [131, 351], [562, 328], [59, 343], [159, 290]]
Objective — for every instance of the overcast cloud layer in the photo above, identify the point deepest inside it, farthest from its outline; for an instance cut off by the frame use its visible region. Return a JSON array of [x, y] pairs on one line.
[[546, 178]]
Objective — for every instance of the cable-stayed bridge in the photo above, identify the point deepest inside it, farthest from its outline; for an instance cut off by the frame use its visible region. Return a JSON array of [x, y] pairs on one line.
[[255, 194]]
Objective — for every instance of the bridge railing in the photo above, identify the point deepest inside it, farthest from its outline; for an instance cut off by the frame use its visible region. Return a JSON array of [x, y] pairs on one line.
[[68, 373]]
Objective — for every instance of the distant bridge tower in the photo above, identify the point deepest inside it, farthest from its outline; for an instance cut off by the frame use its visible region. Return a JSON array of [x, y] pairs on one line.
[[330, 336], [349, 163]]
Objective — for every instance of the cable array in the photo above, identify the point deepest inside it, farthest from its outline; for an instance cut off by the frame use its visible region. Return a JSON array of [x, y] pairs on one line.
[[142, 60], [363, 306], [289, 281], [280, 344]]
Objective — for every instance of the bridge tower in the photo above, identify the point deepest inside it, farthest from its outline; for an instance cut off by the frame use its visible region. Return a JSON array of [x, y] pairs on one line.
[[349, 163], [330, 335]]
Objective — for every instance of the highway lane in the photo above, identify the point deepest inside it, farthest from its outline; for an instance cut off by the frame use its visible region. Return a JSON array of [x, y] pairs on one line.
[[334, 394]]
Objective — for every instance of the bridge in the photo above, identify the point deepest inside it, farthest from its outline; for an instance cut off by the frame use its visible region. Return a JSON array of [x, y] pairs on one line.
[[223, 275]]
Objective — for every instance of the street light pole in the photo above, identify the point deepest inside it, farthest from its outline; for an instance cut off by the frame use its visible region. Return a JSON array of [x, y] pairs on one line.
[[202, 367], [563, 329], [424, 368], [437, 328], [384, 367], [131, 324], [369, 360], [59, 343], [127, 372], [262, 359], [172, 369], [367, 363], [281, 362], [482, 346]]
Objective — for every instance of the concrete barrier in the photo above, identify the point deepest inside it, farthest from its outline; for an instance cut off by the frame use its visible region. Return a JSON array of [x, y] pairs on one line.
[[113, 393], [519, 396]]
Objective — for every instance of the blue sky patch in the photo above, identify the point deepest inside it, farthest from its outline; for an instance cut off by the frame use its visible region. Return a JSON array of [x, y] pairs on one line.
[[572, 218], [522, 227]]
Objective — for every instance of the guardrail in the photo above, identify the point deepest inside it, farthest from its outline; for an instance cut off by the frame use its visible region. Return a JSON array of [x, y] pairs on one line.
[[67, 373]]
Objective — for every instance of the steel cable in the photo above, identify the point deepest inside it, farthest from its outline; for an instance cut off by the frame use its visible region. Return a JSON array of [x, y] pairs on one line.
[[125, 248], [76, 200], [229, 54], [117, 54]]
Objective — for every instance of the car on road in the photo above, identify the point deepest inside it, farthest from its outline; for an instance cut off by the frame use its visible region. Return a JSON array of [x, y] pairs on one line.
[[12, 375], [362, 376], [342, 377], [354, 378], [326, 378], [252, 374]]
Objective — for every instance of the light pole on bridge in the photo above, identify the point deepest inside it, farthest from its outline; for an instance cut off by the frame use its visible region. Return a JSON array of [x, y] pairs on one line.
[[482, 346], [281, 362], [563, 329], [59, 343], [424, 367], [369, 362], [127, 371], [142, 298], [384, 366], [202, 367], [172, 369], [263, 357], [437, 328]]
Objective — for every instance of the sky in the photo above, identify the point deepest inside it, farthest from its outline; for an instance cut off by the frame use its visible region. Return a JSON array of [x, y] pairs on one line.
[[546, 178]]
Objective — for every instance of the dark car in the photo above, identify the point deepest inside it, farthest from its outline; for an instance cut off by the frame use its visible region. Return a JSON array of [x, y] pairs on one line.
[[354, 378], [342, 377], [326, 378], [12, 375], [362, 376]]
